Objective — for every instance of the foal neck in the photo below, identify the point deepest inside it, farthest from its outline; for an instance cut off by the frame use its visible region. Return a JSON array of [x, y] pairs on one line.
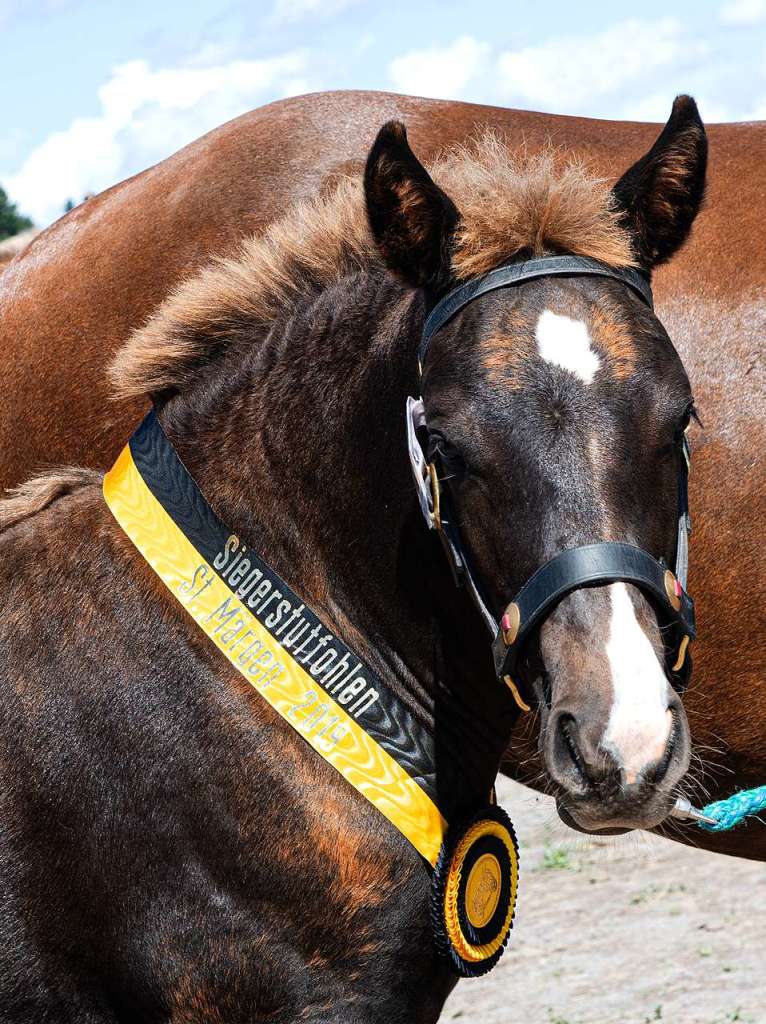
[[299, 445]]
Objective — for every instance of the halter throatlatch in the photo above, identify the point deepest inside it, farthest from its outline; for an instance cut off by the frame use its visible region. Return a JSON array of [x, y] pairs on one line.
[[574, 568]]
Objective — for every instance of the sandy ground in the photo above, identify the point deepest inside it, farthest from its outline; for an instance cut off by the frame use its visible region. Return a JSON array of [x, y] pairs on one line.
[[628, 930]]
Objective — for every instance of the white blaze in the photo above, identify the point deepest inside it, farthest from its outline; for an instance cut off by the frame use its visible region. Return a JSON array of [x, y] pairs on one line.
[[639, 722], [566, 343]]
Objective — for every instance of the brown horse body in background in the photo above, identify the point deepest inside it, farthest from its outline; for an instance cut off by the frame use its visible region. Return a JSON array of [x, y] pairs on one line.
[[70, 300]]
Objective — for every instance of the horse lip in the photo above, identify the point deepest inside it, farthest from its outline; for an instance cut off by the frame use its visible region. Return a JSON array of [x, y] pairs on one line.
[[568, 820]]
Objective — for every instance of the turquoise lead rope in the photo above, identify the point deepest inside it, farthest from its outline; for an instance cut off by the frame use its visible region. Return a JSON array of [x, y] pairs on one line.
[[736, 808]]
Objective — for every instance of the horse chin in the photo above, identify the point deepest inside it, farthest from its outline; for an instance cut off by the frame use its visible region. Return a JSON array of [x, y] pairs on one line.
[[570, 822], [592, 818]]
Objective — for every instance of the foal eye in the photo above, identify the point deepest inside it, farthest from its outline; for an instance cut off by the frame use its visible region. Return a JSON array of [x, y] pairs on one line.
[[690, 413]]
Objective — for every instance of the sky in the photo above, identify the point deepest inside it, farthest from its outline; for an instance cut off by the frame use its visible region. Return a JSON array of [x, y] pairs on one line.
[[97, 90]]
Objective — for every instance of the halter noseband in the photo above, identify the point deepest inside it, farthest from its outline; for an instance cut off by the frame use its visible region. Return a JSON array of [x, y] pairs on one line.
[[573, 568]]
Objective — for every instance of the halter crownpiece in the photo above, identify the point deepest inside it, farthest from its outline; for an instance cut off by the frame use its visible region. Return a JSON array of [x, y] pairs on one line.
[[573, 568], [517, 273]]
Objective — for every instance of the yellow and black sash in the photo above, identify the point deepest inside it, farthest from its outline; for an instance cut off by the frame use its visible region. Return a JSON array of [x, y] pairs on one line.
[[319, 687]]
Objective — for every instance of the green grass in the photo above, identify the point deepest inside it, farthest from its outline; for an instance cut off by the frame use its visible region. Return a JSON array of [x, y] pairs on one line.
[[733, 1017], [555, 1018], [656, 890], [556, 858]]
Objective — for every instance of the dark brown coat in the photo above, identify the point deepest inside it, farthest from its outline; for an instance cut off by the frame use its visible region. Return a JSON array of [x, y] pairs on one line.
[[73, 297]]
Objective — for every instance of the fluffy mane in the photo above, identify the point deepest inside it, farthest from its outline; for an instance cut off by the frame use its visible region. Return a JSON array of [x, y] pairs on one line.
[[508, 202], [40, 491]]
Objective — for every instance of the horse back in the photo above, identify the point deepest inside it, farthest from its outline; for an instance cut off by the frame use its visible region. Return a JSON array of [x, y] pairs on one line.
[[70, 300]]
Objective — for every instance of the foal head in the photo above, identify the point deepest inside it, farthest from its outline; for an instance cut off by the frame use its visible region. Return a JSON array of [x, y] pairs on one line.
[[555, 410]]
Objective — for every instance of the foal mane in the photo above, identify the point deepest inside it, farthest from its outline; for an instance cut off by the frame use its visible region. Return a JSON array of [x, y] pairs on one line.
[[509, 204], [40, 491]]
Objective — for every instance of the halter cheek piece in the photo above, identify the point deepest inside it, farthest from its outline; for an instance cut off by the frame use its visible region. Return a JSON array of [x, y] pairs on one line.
[[573, 568]]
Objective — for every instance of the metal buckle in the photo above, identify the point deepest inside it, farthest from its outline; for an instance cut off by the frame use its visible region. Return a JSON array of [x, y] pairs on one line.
[[423, 473], [436, 515]]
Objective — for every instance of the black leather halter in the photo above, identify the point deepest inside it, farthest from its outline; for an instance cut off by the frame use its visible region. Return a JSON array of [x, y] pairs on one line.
[[515, 273], [573, 568]]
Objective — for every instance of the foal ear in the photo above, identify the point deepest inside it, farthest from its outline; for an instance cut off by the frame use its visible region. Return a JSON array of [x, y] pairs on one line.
[[660, 195], [411, 219]]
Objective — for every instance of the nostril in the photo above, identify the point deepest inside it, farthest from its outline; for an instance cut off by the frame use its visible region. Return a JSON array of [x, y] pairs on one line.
[[582, 757], [567, 730]]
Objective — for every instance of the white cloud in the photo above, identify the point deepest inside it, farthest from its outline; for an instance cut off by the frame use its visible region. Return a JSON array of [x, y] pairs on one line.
[[631, 69], [743, 12], [290, 11], [442, 72], [567, 73], [145, 116]]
